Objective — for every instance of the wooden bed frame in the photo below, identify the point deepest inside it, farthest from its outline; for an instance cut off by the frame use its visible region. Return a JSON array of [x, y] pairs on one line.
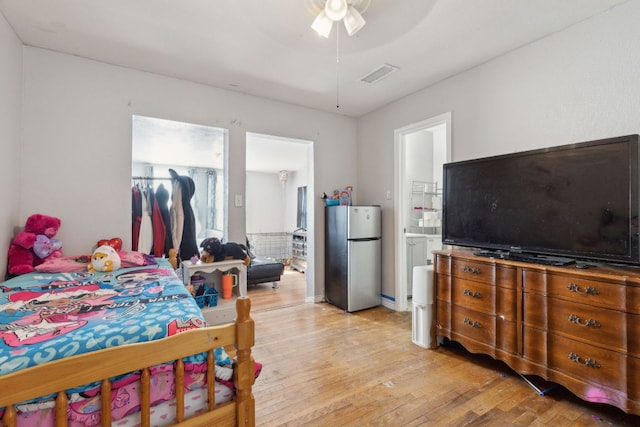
[[60, 375]]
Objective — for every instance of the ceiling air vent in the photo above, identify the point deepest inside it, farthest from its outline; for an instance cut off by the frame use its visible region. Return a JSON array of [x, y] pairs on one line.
[[379, 73]]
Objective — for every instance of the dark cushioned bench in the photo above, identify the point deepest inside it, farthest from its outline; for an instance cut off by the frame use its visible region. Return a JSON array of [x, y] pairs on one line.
[[262, 269]]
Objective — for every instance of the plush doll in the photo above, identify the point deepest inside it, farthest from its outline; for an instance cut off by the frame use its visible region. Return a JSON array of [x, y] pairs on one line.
[[214, 250], [104, 258], [115, 243], [34, 244]]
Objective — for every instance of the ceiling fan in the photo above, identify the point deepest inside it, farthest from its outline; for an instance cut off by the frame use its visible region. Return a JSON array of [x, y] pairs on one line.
[[330, 11]]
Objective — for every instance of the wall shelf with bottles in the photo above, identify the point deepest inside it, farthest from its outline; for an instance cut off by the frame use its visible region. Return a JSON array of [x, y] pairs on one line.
[[426, 208]]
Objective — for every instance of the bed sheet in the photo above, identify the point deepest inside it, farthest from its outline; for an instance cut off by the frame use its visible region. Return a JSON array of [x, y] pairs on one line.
[[84, 410], [49, 316]]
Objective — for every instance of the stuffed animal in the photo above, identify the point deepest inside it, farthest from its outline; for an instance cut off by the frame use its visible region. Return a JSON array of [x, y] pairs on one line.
[[115, 243], [214, 250], [104, 258], [34, 244]]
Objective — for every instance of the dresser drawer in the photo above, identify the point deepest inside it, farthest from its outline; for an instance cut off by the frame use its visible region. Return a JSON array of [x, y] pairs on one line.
[[484, 298], [443, 315], [589, 363], [601, 294], [442, 264], [443, 287], [599, 326], [484, 272], [484, 328], [634, 381]]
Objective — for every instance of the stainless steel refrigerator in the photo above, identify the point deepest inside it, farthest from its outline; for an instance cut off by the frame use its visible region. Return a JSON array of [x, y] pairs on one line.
[[353, 273]]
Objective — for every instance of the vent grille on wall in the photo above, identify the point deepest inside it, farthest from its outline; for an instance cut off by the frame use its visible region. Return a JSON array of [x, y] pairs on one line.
[[379, 73]]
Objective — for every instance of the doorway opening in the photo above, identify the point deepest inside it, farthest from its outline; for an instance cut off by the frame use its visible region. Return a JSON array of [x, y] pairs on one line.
[[160, 146], [279, 216], [421, 149]]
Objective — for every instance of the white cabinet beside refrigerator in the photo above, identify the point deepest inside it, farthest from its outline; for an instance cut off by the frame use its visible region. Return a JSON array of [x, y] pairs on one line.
[[420, 249]]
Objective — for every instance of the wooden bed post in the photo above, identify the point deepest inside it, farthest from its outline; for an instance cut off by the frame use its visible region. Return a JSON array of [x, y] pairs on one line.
[[244, 375]]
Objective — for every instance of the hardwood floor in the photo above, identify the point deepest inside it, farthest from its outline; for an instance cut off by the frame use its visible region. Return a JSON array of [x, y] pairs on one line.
[[325, 367], [291, 290]]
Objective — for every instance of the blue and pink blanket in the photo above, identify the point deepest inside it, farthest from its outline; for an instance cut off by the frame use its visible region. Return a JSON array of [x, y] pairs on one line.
[[49, 316]]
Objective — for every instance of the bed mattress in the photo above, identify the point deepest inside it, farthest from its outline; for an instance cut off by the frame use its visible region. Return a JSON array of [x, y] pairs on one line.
[[49, 316]]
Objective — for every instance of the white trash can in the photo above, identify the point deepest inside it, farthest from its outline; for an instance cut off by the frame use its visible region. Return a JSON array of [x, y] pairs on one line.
[[422, 305]]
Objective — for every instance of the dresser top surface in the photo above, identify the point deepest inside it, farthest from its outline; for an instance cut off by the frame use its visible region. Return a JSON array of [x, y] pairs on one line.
[[603, 270]]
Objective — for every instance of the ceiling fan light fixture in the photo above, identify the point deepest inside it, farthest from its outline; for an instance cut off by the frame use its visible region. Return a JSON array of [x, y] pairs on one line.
[[353, 21], [336, 9], [322, 24]]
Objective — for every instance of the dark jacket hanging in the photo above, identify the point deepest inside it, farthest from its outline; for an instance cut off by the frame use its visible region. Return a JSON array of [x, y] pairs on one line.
[[162, 199], [136, 214], [188, 245]]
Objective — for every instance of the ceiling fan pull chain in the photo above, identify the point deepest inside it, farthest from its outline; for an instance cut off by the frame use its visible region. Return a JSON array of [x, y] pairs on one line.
[[337, 66]]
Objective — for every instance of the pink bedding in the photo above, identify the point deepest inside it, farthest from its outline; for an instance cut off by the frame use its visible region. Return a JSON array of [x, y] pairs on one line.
[[84, 409]]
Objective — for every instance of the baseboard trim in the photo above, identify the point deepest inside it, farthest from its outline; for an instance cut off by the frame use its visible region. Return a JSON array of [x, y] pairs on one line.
[[389, 304], [314, 299]]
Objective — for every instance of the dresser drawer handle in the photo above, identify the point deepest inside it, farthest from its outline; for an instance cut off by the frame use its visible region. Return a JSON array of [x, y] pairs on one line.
[[472, 270], [474, 324], [587, 362], [589, 323], [589, 290], [475, 294]]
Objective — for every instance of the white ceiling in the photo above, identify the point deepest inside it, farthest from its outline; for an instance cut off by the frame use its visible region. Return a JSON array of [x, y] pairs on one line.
[[267, 48]]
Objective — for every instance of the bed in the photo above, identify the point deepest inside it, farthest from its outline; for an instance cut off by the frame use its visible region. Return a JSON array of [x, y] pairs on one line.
[[125, 348]]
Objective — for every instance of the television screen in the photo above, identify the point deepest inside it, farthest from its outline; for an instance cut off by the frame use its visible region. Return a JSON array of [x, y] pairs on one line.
[[578, 201]]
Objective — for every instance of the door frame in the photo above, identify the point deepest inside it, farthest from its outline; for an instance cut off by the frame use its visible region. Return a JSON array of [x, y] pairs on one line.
[[310, 295], [401, 200]]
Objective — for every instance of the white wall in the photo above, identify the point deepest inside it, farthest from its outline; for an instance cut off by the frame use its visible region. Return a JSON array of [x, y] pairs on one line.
[[265, 207], [576, 85], [77, 142], [270, 207], [10, 124], [418, 167]]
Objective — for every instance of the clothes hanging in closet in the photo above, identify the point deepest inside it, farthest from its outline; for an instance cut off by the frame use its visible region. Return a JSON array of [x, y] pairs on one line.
[[150, 218], [183, 219], [136, 216], [145, 241], [162, 241]]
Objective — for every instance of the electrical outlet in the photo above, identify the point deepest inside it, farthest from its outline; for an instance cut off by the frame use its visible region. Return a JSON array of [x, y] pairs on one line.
[[388, 194], [238, 200]]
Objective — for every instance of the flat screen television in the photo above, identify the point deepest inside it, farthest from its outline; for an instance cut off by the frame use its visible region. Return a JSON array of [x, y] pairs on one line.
[[553, 205]]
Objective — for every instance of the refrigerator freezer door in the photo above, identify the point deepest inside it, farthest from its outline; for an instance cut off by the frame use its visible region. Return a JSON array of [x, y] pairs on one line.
[[363, 222], [365, 274]]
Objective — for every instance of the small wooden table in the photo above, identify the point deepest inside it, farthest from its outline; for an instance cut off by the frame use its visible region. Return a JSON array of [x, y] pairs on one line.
[[225, 311]]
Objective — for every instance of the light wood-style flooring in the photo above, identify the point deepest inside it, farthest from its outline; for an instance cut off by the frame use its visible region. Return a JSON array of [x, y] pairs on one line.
[[291, 290], [325, 367]]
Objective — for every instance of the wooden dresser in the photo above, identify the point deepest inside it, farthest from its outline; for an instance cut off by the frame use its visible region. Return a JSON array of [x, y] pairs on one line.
[[577, 327]]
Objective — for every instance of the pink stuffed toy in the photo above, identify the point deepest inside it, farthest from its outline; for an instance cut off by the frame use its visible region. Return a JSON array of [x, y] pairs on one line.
[[34, 245]]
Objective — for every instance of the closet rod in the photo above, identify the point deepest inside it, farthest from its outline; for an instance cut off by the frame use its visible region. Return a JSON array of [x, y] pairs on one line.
[[151, 178]]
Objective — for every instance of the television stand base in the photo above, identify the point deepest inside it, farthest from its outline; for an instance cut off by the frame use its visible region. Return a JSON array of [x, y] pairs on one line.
[[539, 391], [526, 257], [487, 253]]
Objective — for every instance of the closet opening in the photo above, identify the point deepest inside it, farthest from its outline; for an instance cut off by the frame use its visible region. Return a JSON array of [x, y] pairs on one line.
[[194, 152]]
